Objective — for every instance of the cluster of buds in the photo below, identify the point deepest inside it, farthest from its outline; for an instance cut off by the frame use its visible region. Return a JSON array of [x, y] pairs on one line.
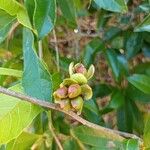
[[75, 89]]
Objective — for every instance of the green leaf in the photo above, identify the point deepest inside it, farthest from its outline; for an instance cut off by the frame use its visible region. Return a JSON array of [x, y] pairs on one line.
[[35, 76], [10, 72], [145, 49], [6, 22], [93, 137], [131, 144], [138, 124], [147, 133], [112, 5], [130, 118], [30, 6], [117, 99], [15, 115], [14, 8], [113, 63], [142, 68], [124, 118], [91, 50], [44, 16], [23, 142], [144, 25], [142, 82], [57, 79], [68, 11], [111, 33], [133, 44], [135, 94], [64, 63], [91, 112], [101, 90], [70, 144]]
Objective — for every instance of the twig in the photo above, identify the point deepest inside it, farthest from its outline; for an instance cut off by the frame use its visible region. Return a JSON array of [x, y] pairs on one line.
[[40, 49], [108, 133], [13, 28], [55, 137], [57, 50]]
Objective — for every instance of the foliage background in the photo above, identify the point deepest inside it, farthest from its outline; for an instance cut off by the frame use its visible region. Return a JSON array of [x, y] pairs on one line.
[[38, 40]]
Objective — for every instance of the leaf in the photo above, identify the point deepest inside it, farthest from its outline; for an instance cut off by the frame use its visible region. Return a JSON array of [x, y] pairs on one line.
[[6, 22], [91, 50], [147, 133], [138, 124], [65, 62], [144, 25], [117, 99], [70, 144], [137, 95], [30, 6], [112, 5], [44, 16], [35, 76], [130, 118], [68, 11], [111, 33], [14, 8], [101, 90], [56, 78], [91, 112], [142, 68], [131, 144], [92, 137], [113, 63], [124, 118], [23, 142], [145, 49], [15, 115], [10, 72], [133, 45], [142, 82]]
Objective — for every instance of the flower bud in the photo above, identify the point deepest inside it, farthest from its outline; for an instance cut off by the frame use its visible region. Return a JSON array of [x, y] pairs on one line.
[[67, 82], [74, 90], [79, 68], [61, 93], [56, 98], [86, 92], [77, 104], [90, 72], [71, 68], [65, 104], [80, 78]]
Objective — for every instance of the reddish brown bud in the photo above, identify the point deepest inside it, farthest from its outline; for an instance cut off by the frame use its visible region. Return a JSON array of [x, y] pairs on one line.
[[79, 68], [74, 90], [62, 92], [77, 104], [65, 104]]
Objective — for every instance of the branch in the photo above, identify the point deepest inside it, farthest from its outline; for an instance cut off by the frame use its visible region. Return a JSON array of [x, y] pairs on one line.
[[108, 133], [55, 137]]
